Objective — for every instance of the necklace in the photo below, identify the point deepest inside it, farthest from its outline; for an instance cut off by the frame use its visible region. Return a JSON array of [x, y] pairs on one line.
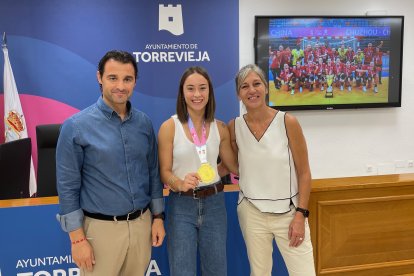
[[257, 131]]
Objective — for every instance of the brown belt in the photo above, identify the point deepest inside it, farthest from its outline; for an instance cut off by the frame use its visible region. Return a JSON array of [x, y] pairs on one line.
[[204, 192]]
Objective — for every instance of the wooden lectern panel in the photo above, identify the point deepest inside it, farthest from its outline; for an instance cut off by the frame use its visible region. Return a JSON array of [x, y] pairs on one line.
[[365, 230], [359, 233]]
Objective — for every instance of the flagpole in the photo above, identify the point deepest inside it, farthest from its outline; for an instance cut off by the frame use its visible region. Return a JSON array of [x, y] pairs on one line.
[[17, 129], [4, 44]]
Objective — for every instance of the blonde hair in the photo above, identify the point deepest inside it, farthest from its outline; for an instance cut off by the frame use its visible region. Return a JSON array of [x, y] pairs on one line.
[[245, 71]]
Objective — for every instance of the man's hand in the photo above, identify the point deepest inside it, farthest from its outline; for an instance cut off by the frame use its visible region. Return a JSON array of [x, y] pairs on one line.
[[158, 232], [82, 254]]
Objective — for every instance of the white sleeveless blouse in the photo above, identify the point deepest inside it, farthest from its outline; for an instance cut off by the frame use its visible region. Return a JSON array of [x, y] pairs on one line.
[[267, 175]]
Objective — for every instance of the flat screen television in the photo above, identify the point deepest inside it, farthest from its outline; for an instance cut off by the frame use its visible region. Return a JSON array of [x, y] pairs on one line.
[[330, 62]]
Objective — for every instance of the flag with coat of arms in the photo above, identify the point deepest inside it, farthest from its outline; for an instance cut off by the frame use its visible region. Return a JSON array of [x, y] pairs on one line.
[[15, 125]]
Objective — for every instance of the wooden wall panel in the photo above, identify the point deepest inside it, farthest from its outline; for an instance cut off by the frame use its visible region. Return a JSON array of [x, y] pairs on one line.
[[367, 229]]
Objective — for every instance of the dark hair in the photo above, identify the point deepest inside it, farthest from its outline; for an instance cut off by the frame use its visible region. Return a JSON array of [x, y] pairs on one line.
[[182, 112], [121, 56]]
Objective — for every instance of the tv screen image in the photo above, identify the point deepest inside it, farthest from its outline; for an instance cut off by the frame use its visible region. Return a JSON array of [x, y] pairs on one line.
[[321, 62]]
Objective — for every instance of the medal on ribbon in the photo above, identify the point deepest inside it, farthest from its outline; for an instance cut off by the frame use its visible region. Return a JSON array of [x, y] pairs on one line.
[[205, 171]]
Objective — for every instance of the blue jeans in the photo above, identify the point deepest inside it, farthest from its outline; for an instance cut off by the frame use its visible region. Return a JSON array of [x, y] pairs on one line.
[[197, 224]]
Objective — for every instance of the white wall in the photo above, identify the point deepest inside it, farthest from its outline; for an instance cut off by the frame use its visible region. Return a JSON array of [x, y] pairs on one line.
[[342, 143]]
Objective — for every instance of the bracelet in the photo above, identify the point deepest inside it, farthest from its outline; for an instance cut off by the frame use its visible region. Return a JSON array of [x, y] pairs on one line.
[[171, 180], [79, 241], [159, 216]]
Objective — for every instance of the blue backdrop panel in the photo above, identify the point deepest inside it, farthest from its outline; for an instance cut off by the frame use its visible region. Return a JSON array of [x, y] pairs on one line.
[[31, 242], [55, 46]]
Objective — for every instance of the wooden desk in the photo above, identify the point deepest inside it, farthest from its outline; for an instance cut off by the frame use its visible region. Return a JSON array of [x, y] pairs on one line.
[[359, 225], [363, 225], [55, 200]]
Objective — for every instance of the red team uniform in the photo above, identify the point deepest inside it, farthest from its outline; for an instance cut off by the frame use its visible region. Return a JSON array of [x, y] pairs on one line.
[[320, 76], [309, 70], [368, 54], [275, 66], [378, 63], [298, 77], [339, 75], [362, 69], [350, 54], [286, 76], [349, 71], [330, 74], [308, 53], [372, 73]]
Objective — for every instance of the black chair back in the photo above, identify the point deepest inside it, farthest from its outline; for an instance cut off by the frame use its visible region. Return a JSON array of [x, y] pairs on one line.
[[47, 136]]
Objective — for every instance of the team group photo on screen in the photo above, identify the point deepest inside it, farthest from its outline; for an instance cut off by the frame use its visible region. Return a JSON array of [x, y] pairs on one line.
[[328, 61]]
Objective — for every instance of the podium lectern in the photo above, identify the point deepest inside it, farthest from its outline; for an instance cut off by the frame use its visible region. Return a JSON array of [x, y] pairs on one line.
[[15, 168]]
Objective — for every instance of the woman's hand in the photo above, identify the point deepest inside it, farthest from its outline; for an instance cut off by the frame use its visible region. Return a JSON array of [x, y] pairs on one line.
[[190, 182], [297, 230]]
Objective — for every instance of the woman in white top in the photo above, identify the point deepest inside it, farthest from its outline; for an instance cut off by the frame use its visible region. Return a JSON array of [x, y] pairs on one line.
[[274, 180], [189, 144]]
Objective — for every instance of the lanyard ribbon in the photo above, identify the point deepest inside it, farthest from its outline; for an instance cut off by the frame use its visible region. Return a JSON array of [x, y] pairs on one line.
[[200, 144]]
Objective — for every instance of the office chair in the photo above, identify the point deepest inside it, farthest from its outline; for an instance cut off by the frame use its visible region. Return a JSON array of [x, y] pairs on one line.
[[47, 136], [15, 157]]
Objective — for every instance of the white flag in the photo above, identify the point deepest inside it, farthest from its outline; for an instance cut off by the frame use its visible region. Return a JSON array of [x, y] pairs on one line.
[[15, 125]]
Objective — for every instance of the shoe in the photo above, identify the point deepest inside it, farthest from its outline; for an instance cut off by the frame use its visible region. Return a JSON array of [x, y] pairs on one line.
[[349, 88], [342, 87], [376, 89], [364, 89], [322, 88], [300, 89], [292, 92]]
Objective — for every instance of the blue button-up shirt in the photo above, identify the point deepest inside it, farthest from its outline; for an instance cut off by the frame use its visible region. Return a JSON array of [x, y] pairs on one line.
[[106, 165]]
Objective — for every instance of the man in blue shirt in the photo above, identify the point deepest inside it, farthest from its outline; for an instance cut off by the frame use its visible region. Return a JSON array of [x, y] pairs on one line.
[[108, 178]]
